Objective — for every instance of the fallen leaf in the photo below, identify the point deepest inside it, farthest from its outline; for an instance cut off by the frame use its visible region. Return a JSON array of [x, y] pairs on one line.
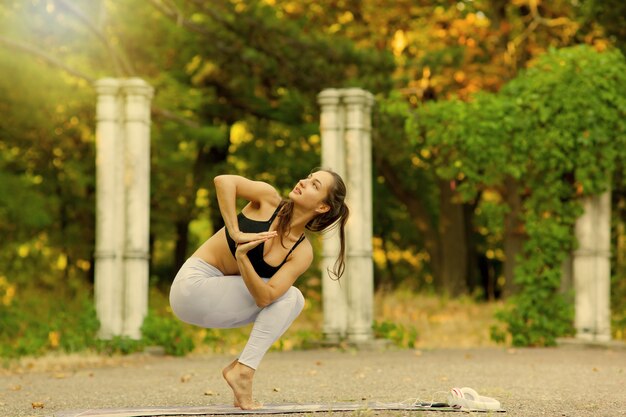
[[208, 392], [276, 389], [37, 405]]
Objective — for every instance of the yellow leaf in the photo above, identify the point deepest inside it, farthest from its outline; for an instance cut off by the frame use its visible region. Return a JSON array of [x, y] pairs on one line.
[[62, 262], [54, 338], [9, 294], [399, 42], [23, 251]]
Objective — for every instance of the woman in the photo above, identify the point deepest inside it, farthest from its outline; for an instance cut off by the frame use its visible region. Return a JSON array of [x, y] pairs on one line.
[[245, 272]]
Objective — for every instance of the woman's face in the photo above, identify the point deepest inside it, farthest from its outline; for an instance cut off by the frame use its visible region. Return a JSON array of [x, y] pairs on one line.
[[312, 191]]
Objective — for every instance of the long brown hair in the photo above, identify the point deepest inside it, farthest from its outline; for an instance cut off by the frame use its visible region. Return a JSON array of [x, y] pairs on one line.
[[336, 216]]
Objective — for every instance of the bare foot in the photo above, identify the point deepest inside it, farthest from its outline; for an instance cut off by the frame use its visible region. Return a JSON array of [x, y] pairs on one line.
[[224, 371], [239, 377]]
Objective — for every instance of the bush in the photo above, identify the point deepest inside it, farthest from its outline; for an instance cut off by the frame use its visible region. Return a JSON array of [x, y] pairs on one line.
[[400, 335], [168, 333]]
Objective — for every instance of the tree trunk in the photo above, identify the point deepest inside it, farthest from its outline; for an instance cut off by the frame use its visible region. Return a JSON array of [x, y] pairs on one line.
[[514, 236], [388, 279], [209, 159], [447, 244], [473, 273], [182, 243], [453, 247], [416, 209]]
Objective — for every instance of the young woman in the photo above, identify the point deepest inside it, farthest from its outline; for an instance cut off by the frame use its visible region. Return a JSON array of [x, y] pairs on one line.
[[245, 272]]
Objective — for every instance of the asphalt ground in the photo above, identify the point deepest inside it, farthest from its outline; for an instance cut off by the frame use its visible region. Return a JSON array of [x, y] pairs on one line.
[[563, 381]]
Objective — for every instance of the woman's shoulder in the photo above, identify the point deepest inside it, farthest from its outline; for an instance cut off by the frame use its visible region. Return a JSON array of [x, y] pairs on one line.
[[305, 249], [266, 194]]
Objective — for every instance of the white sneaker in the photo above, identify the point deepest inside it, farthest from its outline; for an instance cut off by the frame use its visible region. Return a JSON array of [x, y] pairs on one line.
[[468, 399]]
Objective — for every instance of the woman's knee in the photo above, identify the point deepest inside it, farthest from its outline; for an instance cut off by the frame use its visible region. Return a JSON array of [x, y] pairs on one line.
[[297, 298]]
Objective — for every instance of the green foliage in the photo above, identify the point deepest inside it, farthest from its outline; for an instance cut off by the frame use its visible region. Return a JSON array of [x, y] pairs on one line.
[[558, 130], [401, 335], [167, 332], [610, 14], [33, 323], [37, 324], [573, 103]]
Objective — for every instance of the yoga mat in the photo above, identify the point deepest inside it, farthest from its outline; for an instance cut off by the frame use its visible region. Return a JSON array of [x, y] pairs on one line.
[[287, 408]]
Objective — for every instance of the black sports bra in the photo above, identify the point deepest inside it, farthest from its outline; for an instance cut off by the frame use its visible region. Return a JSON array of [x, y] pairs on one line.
[[256, 254]]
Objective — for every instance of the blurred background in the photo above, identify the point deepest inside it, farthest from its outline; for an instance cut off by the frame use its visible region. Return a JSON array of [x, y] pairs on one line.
[[493, 119]]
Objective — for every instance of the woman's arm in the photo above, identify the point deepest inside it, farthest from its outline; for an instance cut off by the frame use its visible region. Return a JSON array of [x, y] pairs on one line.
[[265, 293], [229, 187]]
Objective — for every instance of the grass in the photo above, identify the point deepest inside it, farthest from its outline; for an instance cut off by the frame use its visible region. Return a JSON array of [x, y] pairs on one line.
[[408, 319], [411, 320], [414, 320], [440, 322]]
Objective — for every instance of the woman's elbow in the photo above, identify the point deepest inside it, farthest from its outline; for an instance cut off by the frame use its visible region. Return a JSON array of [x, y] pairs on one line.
[[263, 301], [220, 179]]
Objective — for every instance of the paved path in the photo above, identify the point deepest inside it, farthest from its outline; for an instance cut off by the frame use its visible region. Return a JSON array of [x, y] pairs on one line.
[[564, 381]]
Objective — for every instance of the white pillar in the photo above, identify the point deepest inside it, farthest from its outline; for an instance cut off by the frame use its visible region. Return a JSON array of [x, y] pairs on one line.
[[122, 199], [592, 270], [346, 148], [334, 302], [108, 253], [137, 94], [360, 282]]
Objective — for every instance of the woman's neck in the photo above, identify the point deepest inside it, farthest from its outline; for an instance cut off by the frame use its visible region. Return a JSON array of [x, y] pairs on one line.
[[299, 220]]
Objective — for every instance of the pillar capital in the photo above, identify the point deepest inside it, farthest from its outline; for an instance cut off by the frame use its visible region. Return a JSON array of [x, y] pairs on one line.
[[355, 96], [107, 86], [329, 97], [138, 87]]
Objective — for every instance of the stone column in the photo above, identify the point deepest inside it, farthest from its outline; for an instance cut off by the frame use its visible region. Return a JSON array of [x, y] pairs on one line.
[[346, 148], [122, 199], [137, 94], [592, 270], [108, 252], [334, 302], [360, 282]]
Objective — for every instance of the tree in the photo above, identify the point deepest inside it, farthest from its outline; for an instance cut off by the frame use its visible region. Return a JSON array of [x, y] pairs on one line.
[[558, 130], [220, 71], [445, 50]]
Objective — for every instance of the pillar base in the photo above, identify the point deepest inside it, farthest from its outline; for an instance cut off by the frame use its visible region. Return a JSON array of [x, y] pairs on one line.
[[577, 342], [591, 337], [374, 345]]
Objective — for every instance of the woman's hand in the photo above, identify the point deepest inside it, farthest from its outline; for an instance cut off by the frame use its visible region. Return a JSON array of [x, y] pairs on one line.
[[244, 248], [242, 237]]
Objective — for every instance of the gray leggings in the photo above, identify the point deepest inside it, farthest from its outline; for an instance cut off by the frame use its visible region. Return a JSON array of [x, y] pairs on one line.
[[203, 296]]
